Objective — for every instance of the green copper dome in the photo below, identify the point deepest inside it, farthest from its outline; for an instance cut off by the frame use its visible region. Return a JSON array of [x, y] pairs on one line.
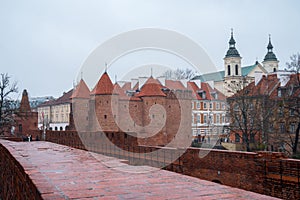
[[232, 51], [270, 56]]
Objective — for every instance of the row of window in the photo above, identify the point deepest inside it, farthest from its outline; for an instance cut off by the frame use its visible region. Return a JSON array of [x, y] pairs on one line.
[[209, 119], [282, 127], [236, 70], [209, 105]]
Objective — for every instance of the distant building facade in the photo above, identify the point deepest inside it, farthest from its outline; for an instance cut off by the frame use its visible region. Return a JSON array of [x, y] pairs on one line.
[[234, 77], [268, 109], [54, 114]]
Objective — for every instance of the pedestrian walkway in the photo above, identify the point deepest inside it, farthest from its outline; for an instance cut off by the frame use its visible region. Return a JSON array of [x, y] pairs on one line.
[[61, 172]]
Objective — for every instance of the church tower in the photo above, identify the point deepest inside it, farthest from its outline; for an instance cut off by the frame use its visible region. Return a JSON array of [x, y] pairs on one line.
[[270, 62], [232, 60], [233, 79]]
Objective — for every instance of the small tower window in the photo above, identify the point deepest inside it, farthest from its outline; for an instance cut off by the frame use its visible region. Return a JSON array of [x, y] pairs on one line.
[[274, 69], [236, 70], [228, 69], [105, 116]]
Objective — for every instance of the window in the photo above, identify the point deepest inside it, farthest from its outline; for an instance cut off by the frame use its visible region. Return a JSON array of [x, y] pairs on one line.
[[251, 106], [198, 105], [274, 69], [236, 70], [279, 93], [211, 119], [205, 119], [292, 112], [198, 118], [105, 116], [223, 106], [204, 105], [292, 127], [218, 119], [228, 70], [282, 127], [210, 105], [218, 106], [280, 111], [223, 119], [20, 128], [271, 127], [237, 137]]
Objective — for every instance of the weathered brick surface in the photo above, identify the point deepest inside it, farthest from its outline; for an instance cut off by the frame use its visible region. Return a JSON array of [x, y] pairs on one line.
[[61, 172], [14, 181], [263, 172]]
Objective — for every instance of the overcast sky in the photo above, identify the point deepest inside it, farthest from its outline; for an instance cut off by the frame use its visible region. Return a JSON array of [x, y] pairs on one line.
[[44, 43]]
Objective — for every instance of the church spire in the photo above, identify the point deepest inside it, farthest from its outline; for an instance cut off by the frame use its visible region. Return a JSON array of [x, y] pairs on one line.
[[270, 56], [232, 51]]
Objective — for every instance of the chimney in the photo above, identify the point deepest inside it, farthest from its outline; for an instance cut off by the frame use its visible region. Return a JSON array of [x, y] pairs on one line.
[[197, 82], [184, 82], [162, 80], [284, 79], [142, 81], [134, 81], [121, 83], [211, 84], [257, 77]]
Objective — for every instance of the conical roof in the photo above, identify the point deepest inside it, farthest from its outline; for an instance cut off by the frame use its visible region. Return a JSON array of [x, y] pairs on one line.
[[104, 85], [81, 91], [152, 87], [24, 106]]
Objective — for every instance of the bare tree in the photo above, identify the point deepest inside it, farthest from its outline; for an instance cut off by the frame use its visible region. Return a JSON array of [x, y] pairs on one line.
[[249, 118], [7, 105], [292, 98], [179, 74]]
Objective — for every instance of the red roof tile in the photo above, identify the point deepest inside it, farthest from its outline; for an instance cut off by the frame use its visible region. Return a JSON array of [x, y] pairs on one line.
[[65, 98], [104, 85], [81, 91], [174, 85], [152, 87]]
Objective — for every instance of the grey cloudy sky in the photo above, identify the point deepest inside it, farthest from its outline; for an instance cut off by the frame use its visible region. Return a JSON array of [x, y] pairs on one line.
[[44, 43]]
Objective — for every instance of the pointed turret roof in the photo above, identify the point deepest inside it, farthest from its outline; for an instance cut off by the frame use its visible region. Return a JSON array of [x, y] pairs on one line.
[[24, 106], [152, 87], [104, 85], [232, 51], [270, 56], [81, 91]]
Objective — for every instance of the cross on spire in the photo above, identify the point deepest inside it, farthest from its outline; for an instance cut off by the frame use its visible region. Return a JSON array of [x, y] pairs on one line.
[[105, 66]]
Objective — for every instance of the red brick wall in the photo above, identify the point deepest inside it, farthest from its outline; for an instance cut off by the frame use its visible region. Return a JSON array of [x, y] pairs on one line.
[[14, 182], [28, 121], [267, 173]]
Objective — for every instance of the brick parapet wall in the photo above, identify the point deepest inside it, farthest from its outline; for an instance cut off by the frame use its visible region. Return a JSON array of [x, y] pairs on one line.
[[14, 182], [267, 173]]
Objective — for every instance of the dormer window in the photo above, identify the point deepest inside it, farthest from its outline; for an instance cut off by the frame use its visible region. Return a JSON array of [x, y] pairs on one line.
[[279, 92]]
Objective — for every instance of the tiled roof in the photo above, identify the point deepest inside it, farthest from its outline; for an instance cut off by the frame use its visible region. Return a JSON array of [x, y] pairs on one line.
[[174, 85], [104, 85], [81, 91], [219, 76], [152, 87], [65, 98], [208, 90]]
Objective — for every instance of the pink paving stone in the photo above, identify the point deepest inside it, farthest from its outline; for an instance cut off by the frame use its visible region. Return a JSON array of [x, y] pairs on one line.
[[61, 172]]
